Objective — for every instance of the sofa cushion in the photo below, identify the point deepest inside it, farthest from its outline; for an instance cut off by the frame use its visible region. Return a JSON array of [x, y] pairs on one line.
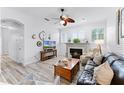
[[118, 68], [103, 74], [98, 59], [86, 78]]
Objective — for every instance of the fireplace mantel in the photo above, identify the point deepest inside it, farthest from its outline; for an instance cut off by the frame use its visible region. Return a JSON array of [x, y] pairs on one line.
[[76, 46]]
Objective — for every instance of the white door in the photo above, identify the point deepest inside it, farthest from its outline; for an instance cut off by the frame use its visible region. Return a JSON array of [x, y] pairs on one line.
[[19, 50], [5, 38]]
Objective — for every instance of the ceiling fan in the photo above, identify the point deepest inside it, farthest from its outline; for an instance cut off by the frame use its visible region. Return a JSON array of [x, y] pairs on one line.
[[64, 19]]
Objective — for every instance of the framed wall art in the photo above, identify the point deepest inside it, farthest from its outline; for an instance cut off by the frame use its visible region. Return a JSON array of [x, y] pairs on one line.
[[39, 43], [122, 23], [120, 26]]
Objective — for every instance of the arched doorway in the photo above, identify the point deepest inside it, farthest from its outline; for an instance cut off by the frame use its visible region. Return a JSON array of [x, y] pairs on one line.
[[13, 39]]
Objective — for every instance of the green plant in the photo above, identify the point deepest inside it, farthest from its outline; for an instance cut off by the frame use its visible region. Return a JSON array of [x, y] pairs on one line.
[[76, 40], [49, 37]]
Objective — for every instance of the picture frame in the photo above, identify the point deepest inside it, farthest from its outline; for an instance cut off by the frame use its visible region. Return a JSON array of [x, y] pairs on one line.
[[39, 43], [42, 35], [120, 26], [122, 23], [34, 36]]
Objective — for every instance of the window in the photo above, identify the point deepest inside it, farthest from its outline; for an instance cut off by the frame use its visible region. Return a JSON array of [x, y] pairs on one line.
[[70, 35], [98, 34]]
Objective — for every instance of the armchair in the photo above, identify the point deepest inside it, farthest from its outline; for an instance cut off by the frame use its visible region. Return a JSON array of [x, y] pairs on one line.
[[89, 55]]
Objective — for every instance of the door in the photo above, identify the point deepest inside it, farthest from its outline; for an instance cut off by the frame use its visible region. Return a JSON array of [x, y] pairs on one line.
[[20, 50], [5, 38]]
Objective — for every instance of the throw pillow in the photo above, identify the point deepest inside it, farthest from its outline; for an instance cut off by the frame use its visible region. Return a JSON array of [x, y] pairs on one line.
[[103, 74], [90, 65], [98, 59]]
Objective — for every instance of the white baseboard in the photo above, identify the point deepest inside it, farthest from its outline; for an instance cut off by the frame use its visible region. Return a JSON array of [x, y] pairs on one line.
[[30, 61]]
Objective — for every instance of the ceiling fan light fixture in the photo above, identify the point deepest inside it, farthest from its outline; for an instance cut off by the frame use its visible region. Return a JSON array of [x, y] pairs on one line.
[[62, 22], [64, 17]]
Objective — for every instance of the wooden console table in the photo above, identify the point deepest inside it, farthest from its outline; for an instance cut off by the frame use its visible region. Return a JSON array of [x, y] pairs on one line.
[[48, 54]]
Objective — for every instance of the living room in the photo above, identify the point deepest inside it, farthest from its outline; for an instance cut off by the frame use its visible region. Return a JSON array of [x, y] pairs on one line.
[[34, 39]]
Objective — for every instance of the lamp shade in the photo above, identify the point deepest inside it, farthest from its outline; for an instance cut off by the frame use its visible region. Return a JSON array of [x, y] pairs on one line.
[[99, 41]]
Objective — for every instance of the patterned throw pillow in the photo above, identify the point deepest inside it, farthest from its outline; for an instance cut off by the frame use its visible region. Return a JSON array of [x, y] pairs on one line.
[[87, 75], [90, 65]]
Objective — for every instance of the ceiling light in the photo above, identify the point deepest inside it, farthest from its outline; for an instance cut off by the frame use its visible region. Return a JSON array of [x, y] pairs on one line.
[[64, 17], [62, 22]]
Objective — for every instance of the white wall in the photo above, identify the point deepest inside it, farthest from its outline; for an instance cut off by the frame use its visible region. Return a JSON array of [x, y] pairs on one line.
[[28, 23], [112, 37], [84, 31], [0, 43], [5, 40], [32, 25], [7, 13], [110, 33], [11, 33], [0, 37]]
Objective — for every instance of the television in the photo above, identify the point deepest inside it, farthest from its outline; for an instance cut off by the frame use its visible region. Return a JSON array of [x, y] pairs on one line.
[[49, 44]]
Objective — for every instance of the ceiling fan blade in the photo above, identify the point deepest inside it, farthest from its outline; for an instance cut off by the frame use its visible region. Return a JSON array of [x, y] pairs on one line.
[[46, 19], [65, 23], [56, 18], [57, 22], [61, 17], [70, 20]]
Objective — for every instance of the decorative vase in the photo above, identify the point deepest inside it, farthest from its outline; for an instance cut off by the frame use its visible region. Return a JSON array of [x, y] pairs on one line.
[[69, 40]]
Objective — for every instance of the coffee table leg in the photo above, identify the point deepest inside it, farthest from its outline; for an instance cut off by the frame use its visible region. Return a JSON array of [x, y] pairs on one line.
[[54, 71]]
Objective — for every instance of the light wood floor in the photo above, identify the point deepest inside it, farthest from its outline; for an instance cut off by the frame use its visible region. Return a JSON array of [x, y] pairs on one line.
[[14, 73]]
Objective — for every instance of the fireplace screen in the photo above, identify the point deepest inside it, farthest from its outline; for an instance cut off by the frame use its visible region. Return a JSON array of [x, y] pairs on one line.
[[76, 53]]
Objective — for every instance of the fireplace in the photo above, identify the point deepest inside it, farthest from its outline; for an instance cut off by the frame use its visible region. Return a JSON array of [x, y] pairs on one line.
[[76, 53], [75, 49]]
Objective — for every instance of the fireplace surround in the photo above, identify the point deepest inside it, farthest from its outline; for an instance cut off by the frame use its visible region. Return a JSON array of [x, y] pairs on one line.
[[79, 47]]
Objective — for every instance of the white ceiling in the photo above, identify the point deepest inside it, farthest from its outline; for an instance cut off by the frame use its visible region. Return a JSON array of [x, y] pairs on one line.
[[91, 14]]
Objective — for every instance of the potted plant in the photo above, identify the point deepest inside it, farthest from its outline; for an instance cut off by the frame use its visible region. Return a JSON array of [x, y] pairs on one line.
[[49, 37], [69, 40], [76, 40]]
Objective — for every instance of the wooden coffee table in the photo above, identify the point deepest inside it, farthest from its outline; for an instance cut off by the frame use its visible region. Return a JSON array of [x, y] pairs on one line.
[[68, 72]]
